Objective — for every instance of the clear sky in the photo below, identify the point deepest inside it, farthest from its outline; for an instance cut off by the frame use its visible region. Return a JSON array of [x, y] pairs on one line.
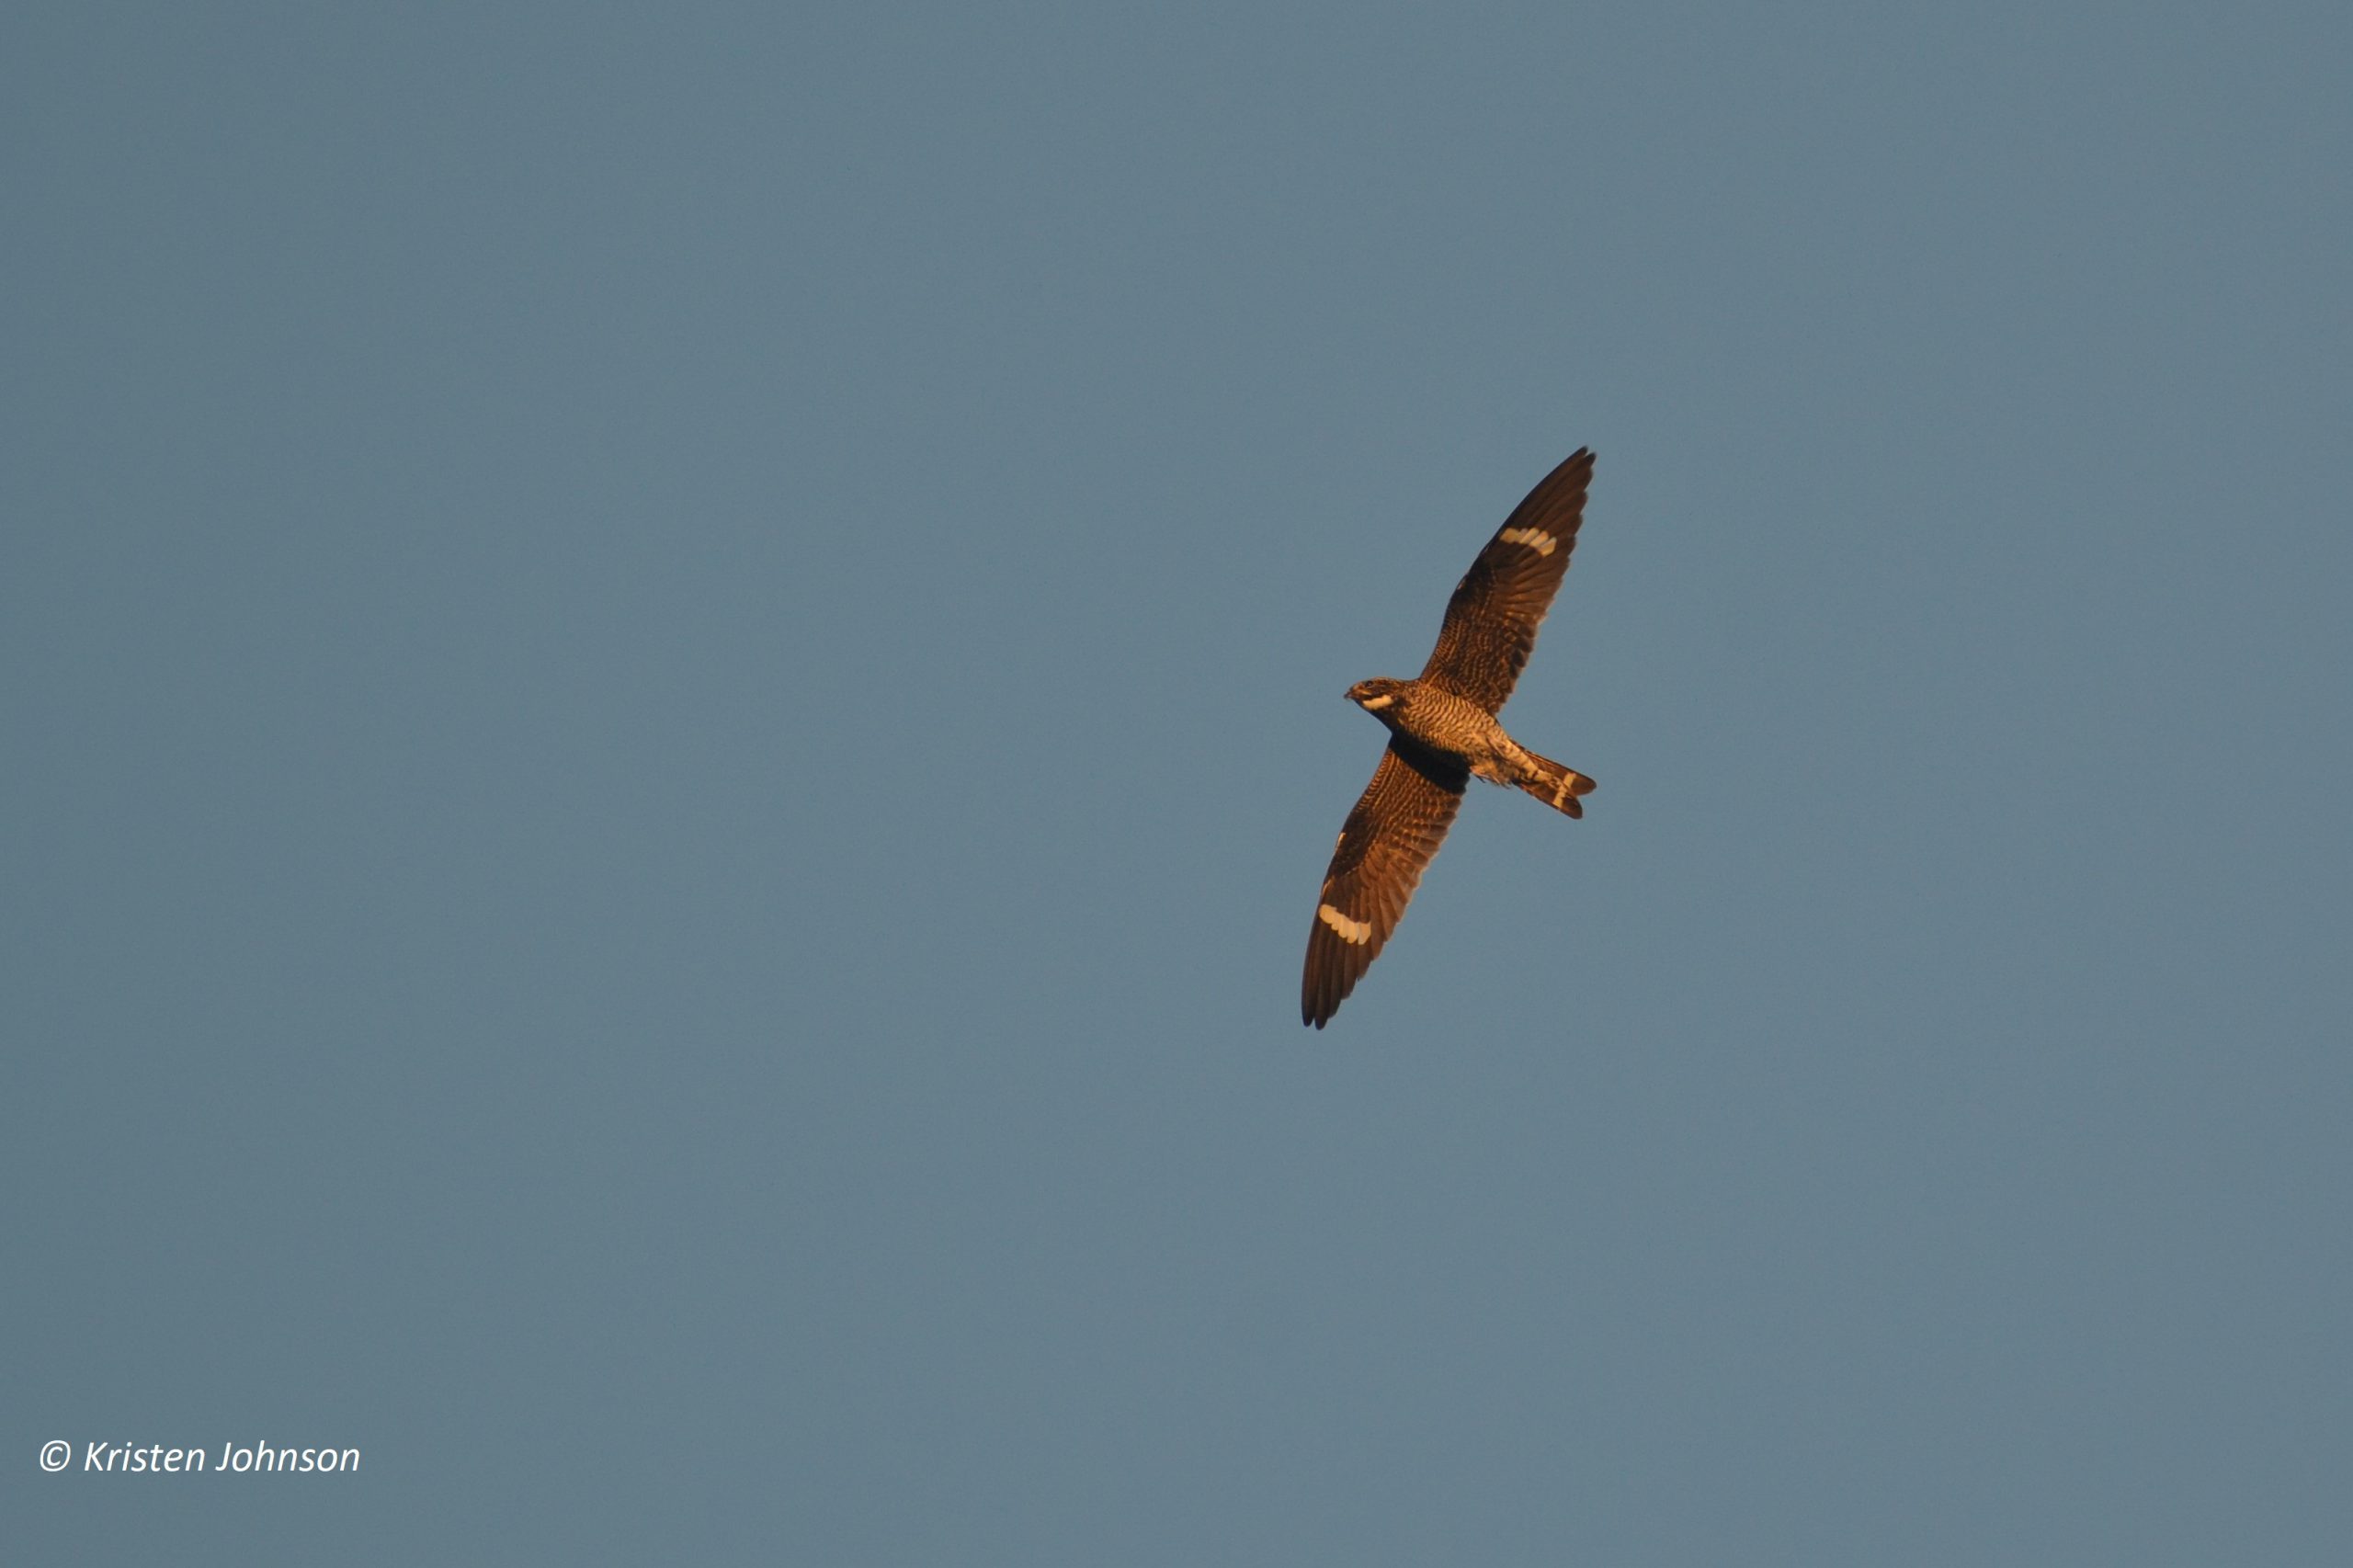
[[673, 702]]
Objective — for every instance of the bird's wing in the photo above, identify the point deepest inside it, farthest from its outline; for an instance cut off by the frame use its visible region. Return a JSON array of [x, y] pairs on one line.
[[1491, 621], [1397, 825]]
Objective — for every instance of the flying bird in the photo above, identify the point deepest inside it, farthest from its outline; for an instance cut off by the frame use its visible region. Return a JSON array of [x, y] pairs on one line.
[[1443, 731]]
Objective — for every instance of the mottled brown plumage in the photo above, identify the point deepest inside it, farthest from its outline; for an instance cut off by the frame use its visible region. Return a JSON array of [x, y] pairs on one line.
[[1491, 621], [1442, 731]]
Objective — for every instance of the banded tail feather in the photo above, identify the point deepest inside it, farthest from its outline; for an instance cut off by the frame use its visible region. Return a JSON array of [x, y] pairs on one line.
[[1556, 786]]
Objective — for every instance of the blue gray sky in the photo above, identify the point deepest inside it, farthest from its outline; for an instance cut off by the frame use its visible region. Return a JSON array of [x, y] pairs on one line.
[[673, 690]]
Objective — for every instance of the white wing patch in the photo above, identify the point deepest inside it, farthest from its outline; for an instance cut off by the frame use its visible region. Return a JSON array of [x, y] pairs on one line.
[[1358, 932], [1536, 539]]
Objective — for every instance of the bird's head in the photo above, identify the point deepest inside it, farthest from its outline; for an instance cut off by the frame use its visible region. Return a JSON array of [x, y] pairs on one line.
[[1372, 695]]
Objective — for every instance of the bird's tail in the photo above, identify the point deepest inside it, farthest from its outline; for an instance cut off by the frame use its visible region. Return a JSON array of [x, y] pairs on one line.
[[1556, 786]]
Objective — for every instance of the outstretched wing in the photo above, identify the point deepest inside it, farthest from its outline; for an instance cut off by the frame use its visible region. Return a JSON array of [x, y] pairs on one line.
[[1397, 825], [1491, 621]]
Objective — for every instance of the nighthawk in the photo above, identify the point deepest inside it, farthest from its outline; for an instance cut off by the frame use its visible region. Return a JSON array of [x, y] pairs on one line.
[[1442, 731]]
